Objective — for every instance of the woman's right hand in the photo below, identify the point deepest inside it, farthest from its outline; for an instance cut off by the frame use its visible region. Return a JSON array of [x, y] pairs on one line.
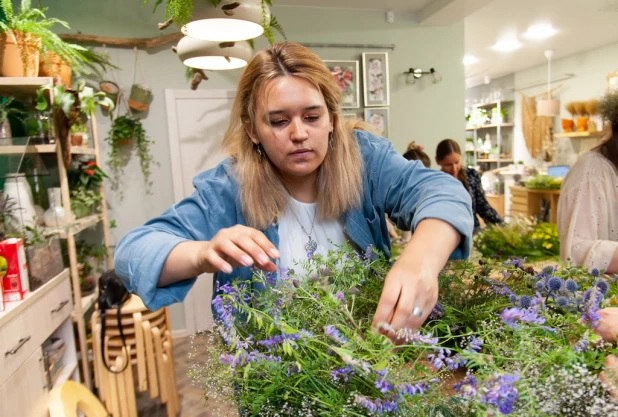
[[237, 246], [608, 324]]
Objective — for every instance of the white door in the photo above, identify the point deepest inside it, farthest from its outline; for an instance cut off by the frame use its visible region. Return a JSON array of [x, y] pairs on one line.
[[197, 121]]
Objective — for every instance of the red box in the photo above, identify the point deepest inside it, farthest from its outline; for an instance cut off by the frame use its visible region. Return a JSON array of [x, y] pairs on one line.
[[15, 280], [1, 297]]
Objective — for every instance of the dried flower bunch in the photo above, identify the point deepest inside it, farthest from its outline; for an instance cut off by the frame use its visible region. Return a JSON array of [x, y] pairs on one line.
[[504, 339]]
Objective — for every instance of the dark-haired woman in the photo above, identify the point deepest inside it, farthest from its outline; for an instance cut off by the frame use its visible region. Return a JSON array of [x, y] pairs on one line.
[[448, 156]]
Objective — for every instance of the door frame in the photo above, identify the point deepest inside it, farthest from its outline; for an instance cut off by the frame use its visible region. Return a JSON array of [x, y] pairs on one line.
[[171, 97]]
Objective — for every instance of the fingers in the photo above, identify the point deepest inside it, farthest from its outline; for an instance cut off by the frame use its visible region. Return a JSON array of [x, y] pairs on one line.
[[387, 303], [241, 245]]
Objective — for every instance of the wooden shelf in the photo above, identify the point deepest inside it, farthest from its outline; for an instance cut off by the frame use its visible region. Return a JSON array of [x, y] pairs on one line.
[[468, 129], [66, 373], [580, 135], [15, 307], [22, 86], [493, 103], [76, 226], [21, 149]]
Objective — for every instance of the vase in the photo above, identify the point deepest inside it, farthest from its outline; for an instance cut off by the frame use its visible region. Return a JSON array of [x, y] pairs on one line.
[[55, 216], [18, 189], [567, 125]]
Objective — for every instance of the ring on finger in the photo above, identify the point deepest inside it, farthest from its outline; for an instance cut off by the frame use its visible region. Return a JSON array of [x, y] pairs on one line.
[[417, 312]]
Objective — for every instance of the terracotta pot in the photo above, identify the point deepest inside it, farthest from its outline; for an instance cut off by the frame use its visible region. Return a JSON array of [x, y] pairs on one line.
[[111, 90], [52, 65], [124, 142], [567, 125], [12, 64], [77, 139], [140, 97]]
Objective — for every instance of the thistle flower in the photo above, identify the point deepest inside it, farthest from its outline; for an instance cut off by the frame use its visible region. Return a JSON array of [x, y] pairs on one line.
[[540, 285], [525, 301], [555, 284], [603, 286], [548, 270], [562, 301], [595, 272], [513, 298], [571, 285]]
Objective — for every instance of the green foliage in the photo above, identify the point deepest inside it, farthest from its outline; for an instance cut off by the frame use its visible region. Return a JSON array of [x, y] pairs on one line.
[[544, 182], [280, 357], [79, 127], [125, 131], [34, 21], [519, 238], [6, 111]]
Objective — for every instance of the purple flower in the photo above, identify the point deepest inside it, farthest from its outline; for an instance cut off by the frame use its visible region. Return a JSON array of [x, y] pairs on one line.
[[411, 389], [475, 344], [368, 253], [513, 315], [381, 383], [555, 284], [467, 388], [332, 332], [603, 286], [439, 358], [525, 301], [591, 314], [582, 344], [595, 272], [540, 285], [342, 373], [571, 285], [513, 298], [562, 301], [437, 312], [339, 296], [500, 391], [278, 339]]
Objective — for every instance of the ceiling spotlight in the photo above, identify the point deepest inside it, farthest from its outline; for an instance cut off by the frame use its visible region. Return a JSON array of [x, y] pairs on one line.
[[469, 60], [507, 45], [540, 31]]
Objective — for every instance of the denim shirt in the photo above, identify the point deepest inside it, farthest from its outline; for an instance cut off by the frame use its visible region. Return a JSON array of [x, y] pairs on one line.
[[405, 190]]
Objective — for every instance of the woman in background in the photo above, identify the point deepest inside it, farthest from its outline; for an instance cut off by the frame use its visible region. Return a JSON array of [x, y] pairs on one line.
[[587, 208], [448, 156], [416, 152]]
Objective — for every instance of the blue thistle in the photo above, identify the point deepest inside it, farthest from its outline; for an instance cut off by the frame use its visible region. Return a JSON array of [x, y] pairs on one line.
[[540, 285], [562, 301], [548, 270], [525, 301], [602, 286], [555, 284], [595, 272], [513, 298], [571, 285]]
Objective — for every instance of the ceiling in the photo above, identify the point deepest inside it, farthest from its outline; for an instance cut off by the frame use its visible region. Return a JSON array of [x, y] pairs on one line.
[[581, 25], [396, 5]]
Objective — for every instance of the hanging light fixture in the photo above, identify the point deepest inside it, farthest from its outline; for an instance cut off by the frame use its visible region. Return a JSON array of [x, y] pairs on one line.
[[208, 55], [548, 107], [229, 21]]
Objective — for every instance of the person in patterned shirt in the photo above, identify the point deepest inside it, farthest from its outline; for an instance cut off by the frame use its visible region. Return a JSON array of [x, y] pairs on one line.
[[448, 156]]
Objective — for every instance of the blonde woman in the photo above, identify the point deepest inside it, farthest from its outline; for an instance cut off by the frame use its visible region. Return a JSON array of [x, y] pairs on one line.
[[299, 180]]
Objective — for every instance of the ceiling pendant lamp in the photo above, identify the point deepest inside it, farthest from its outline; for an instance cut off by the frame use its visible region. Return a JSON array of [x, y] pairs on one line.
[[229, 21], [209, 55], [549, 106]]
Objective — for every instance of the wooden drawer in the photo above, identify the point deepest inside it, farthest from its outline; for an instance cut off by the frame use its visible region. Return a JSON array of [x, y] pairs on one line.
[[27, 331], [25, 393]]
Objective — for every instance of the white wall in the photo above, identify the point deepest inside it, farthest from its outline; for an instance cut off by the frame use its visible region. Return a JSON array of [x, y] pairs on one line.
[[426, 113], [590, 69]]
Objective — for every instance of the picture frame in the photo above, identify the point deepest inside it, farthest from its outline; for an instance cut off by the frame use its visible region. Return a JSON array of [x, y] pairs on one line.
[[352, 116], [378, 117], [375, 79], [346, 74]]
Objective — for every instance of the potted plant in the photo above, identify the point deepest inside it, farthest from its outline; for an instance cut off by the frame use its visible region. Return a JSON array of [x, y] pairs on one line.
[[5, 126], [8, 225], [79, 133], [70, 106], [124, 131], [90, 259], [85, 180], [43, 254], [24, 34]]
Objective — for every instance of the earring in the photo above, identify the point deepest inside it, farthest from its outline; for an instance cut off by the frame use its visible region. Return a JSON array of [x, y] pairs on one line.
[[330, 140], [259, 151]]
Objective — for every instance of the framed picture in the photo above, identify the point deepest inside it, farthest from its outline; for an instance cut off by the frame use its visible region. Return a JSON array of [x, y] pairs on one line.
[[352, 116], [378, 118], [375, 79], [346, 75]]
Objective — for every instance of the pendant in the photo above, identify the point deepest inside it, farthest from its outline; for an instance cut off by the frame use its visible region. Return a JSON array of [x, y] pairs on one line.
[[311, 245]]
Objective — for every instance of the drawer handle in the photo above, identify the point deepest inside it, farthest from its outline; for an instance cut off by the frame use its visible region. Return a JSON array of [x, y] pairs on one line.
[[62, 304], [13, 351]]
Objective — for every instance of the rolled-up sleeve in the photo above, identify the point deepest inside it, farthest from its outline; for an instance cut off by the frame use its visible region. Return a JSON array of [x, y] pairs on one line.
[[141, 253], [412, 193]]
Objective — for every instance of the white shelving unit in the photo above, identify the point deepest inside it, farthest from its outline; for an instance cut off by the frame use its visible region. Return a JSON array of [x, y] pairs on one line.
[[496, 131], [27, 87]]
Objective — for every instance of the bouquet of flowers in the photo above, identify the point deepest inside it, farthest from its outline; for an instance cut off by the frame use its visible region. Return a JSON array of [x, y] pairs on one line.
[[504, 339]]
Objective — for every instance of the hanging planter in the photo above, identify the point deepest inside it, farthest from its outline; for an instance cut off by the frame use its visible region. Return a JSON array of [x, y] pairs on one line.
[[51, 65], [140, 97], [111, 89], [19, 54]]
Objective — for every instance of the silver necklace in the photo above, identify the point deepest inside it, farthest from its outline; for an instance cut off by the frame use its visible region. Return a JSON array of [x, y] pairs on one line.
[[311, 245]]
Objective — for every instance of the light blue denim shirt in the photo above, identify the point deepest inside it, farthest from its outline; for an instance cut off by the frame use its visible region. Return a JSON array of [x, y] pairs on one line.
[[405, 190]]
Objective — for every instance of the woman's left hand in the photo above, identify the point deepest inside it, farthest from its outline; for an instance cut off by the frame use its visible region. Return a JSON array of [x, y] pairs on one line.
[[411, 287]]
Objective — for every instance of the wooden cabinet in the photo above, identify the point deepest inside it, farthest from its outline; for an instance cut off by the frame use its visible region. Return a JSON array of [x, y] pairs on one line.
[[497, 202], [528, 203], [25, 394]]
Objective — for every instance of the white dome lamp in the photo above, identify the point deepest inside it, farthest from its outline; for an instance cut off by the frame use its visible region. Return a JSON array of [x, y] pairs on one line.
[[229, 21], [209, 55], [548, 107]]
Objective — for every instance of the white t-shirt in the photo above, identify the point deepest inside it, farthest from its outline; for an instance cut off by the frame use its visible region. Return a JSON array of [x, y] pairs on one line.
[[292, 238]]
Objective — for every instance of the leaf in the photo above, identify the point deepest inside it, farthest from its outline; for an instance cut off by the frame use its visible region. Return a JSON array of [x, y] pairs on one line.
[[67, 103]]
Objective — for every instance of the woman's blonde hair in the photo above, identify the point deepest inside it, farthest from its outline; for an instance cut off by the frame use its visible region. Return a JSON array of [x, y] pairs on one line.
[[262, 193]]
